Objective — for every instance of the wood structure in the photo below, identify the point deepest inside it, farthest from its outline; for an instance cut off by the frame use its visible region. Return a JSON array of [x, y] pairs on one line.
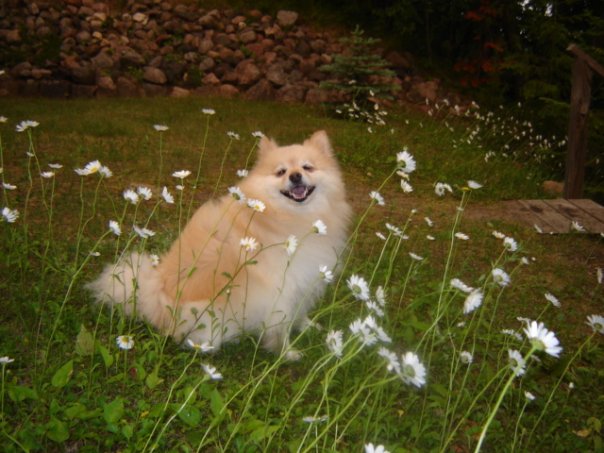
[[558, 215], [577, 129]]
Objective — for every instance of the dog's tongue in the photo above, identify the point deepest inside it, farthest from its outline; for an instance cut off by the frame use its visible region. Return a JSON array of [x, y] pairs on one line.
[[298, 192]]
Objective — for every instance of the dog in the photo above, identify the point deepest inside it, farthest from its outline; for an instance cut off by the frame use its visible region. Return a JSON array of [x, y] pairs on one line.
[[235, 268]]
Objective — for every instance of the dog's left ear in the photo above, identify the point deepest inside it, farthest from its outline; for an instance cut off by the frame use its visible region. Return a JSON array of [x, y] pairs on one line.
[[320, 141], [266, 145]]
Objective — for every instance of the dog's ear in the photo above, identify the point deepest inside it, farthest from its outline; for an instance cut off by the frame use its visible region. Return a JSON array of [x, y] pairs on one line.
[[266, 145], [320, 141]]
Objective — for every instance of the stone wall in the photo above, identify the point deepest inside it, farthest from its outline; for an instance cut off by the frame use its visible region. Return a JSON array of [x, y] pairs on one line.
[[85, 48]]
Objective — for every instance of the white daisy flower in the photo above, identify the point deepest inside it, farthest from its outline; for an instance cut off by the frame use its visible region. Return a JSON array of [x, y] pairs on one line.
[[26, 124], [380, 296], [233, 135], [115, 227], [211, 371], [576, 226], [416, 257], [319, 227], [242, 173], [394, 230], [256, 205], [3, 119], [125, 342], [144, 192], [144, 233], [181, 174], [537, 228], [517, 362], [462, 236], [474, 185], [55, 166], [291, 244], [473, 301], [334, 342], [407, 188], [375, 308], [512, 333], [154, 260], [552, 299], [326, 274], [47, 174], [377, 197], [429, 221], [203, 347], [167, 196], [362, 329], [412, 370], [105, 172], [359, 287], [207, 111], [441, 188], [500, 277], [313, 419], [510, 244], [95, 254], [370, 448], [405, 161], [466, 357], [6, 360], [8, 186], [596, 322], [257, 134], [543, 339], [10, 215], [458, 284], [160, 127], [131, 196], [600, 275], [89, 169], [430, 237], [529, 396], [237, 194], [249, 244], [380, 235], [498, 235], [394, 364]]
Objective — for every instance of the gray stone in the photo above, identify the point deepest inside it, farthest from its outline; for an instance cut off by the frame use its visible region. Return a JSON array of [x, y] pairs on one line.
[[263, 90], [287, 18], [276, 74], [154, 75]]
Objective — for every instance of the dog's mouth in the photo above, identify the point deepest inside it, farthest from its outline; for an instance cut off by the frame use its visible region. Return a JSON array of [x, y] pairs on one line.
[[299, 193]]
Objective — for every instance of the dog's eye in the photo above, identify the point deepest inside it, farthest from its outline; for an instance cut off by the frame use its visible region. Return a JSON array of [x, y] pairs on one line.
[[280, 172], [308, 167]]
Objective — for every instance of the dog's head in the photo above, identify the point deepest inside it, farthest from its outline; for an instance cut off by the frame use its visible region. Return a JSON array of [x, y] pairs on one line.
[[298, 175]]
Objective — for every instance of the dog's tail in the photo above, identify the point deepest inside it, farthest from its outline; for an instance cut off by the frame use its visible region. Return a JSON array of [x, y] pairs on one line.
[[137, 287]]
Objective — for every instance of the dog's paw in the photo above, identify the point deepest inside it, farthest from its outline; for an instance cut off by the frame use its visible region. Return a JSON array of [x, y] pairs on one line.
[[293, 355]]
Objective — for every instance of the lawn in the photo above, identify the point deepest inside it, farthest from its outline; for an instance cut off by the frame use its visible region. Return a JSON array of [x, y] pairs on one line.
[[66, 385]]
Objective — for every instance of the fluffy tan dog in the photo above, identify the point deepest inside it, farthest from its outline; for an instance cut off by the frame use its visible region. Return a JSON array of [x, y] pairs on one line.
[[209, 288]]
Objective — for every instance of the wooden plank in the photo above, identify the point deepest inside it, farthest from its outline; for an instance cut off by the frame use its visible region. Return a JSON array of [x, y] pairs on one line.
[[580, 53], [532, 214], [591, 207], [574, 213], [558, 222]]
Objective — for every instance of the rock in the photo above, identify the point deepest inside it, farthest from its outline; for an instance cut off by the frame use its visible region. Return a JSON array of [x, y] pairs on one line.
[[11, 36], [106, 86], [126, 87], [228, 90], [263, 90], [102, 60], [140, 18], [291, 93], [178, 92], [247, 72], [152, 90], [210, 79], [426, 90], [154, 75], [55, 88], [553, 187], [83, 91], [317, 96], [286, 18], [206, 64], [276, 74], [247, 36], [130, 57]]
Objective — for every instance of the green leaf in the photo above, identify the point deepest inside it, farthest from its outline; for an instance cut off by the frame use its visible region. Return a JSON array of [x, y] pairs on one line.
[[113, 411], [216, 403], [190, 415], [19, 393], [62, 376], [127, 431], [84, 342], [56, 430], [153, 380], [105, 354]]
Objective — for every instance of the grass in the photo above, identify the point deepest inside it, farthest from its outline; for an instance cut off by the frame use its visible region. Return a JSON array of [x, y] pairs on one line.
[[71, 388]]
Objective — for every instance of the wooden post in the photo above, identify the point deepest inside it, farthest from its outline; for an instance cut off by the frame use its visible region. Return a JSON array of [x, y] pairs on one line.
[[577, 129]]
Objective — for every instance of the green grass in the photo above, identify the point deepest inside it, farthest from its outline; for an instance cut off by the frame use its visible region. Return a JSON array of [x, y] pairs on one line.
[[70, 387]]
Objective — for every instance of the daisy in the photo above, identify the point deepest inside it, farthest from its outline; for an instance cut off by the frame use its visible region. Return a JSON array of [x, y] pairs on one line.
[[181, 174], [377, 197], [394, 230], [370, 448], [510, 244], [375, 308], [334, 342], [462, 236], [362, 329], [144, 192], [6, 360], [131, 196], [257, 134], [10, 215], [47, 174], [576, 226], [256, 205], [458, 284], [380, 235], [596, 322], [95, 254], [203, 347], [160, 127], [466, 357], [474, 185], [55, 166], [89, 168], [440, 188], [115, 227], [167, 196], [498, 235], [249, 244], [237, 194], [517, 362], [359, 287], [8, 186], [529, 396], [429, 221], [154, 259], [543, 339], [326, 274], [319, 227], [144, 233], [430, 237], [393, 363], [552, 299], [407, 188], [233, 135], [242, 173], [26, 124], [313, 419], [3, 119], [405, 161], [208, 111], [380, 296], [291, 244], [105, 172], [415, 256], [473, 301], [125, 342], [211, 371], [513, 333], [500, 277], [412, 370]]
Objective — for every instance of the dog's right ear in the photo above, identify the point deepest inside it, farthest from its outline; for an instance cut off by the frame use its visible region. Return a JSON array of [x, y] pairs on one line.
[[266, 145]]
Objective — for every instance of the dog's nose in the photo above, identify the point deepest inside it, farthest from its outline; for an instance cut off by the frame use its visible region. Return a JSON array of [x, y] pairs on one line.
[[296, 178]]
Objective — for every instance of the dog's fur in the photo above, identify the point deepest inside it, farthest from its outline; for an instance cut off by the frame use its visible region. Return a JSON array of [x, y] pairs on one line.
[[204, 290]]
